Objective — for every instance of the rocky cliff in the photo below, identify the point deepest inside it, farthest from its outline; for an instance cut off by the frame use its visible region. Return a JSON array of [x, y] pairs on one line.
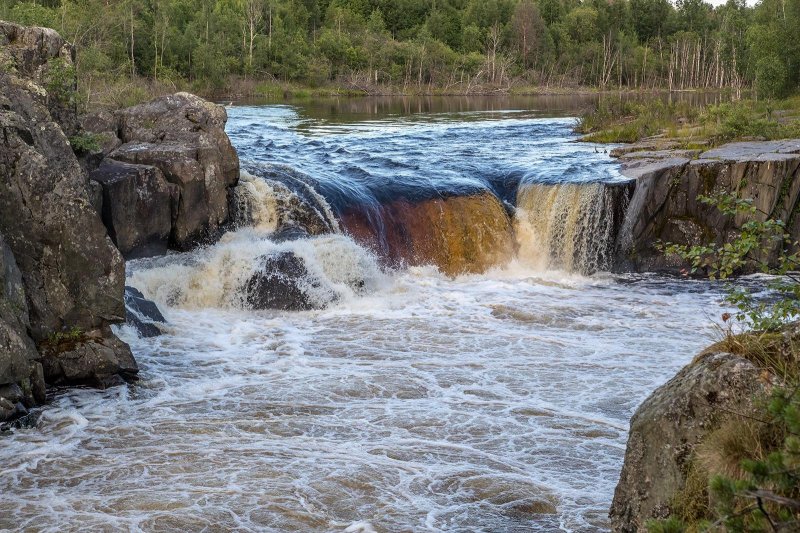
[[61, 275], [665, 205]]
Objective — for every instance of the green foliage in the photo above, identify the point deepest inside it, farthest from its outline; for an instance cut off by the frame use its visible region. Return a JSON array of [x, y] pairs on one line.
[[768, 497], [60, 82], [762, 244], [419, 45], [85, 142]]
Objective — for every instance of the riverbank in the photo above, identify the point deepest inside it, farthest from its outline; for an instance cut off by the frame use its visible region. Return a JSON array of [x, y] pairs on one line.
[[128, 92]]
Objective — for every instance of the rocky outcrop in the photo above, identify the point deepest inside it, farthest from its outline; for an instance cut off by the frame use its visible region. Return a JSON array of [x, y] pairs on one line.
[[136, 206], [70, 273], [181, 170], [665, 206], [667, 430]]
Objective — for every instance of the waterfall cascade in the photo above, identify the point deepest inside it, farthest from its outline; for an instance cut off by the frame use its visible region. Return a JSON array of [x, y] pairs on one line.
[[570, 226]]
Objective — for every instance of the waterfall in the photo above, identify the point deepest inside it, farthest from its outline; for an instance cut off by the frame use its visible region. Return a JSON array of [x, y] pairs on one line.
[[571, 226], [271, 198]]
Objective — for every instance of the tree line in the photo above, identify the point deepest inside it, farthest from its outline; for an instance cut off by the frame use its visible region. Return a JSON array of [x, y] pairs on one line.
[[458, 46]]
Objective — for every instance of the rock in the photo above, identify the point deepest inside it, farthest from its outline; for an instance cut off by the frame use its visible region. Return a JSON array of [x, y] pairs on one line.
[[665, 205], [668, 427], [97, 358], [18, 356], [137, 205], [184, 137], [142, 313], [71, 273], [43, 56], [283, 282]]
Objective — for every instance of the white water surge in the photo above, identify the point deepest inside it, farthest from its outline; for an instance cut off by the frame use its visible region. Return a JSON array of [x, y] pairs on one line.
[[417, 402]]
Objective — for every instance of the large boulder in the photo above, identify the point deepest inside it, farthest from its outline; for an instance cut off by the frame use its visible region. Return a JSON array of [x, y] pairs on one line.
[[660, 460], [72, 275], [183, 136]]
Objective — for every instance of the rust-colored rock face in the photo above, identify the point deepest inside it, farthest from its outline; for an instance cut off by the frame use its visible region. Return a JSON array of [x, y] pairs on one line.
[[459, 234]]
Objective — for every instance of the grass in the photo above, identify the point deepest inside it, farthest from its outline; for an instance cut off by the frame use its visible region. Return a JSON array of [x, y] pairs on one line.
[[618, 121], [777, 353]]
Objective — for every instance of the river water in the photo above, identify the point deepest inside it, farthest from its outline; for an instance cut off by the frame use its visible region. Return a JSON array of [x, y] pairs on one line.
[[416, 401]]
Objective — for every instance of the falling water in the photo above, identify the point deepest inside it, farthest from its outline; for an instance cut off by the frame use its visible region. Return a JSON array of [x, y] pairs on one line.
[[570, 227]]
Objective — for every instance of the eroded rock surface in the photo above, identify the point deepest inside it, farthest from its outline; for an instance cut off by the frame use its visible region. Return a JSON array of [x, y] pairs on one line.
[[70, 275], [665, 206]]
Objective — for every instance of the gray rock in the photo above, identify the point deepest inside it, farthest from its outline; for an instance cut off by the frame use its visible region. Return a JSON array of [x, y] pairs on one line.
[[669, 425], [72, 276], [142, 313], [98, 359], [17, 350], [184, 137], [137, 206], [665, 205]]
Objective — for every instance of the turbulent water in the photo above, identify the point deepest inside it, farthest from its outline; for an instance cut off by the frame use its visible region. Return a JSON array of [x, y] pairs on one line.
[[416, 401]]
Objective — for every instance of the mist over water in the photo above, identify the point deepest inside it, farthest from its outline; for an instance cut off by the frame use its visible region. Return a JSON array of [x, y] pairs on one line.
[[417, 401]]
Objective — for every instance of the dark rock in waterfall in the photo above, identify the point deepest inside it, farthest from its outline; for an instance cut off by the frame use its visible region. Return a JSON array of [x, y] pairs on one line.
[[290, 233], [283, 282], [142, 313], [137, 207]]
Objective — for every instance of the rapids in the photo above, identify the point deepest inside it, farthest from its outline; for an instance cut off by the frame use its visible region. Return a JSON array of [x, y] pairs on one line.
[[496, 400]]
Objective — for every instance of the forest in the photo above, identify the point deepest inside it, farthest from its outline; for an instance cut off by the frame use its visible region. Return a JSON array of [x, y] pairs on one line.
[[427, 46]]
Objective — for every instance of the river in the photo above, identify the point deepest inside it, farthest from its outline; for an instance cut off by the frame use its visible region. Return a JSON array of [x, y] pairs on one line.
[[415, 399]]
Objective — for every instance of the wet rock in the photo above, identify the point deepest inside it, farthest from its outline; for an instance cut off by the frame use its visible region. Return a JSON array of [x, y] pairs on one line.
[[280, 199], [97, 358], [668, 427], [284, 283], [142, 313], [183, 136], [137, 205]]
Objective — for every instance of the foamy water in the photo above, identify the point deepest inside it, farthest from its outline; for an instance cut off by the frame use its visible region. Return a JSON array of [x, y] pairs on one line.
[[417, 402]]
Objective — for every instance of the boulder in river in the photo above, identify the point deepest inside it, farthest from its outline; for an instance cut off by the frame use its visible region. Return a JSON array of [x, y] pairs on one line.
[[283, 282], [141, 313]]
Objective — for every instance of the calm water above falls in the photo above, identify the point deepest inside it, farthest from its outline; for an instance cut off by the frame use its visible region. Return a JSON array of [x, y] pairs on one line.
[[486, 402]]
